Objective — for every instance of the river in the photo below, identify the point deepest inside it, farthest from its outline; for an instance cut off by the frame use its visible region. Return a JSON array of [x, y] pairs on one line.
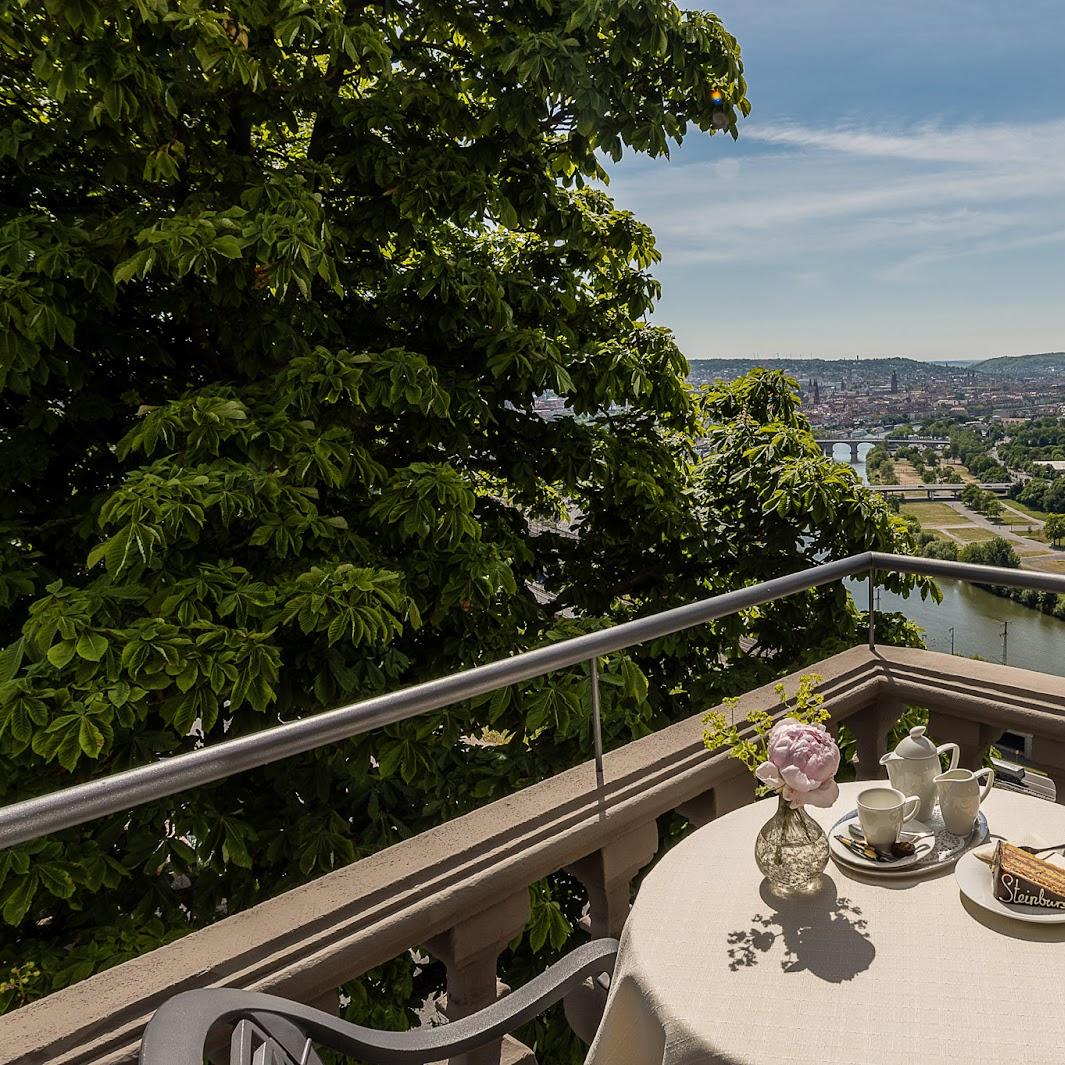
[[973, 619]]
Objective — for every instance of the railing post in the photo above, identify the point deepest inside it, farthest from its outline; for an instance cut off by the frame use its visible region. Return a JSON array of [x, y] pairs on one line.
[[597, 724], [872, 612], [607, 873]]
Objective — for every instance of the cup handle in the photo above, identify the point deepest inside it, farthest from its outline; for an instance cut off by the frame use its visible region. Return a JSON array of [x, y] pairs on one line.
[[990, 774], [916, 800], [955, 753]]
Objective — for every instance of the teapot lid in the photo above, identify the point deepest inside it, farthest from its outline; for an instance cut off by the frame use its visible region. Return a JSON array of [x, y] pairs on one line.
[[916, 744]]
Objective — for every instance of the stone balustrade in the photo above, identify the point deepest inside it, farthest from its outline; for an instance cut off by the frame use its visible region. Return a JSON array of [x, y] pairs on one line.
[[461, 889]]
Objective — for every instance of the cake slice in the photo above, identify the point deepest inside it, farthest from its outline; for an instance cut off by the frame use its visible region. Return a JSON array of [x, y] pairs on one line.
[[1022, 879]]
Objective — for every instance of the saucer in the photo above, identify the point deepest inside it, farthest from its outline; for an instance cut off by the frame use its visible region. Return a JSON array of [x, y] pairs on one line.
[[915, 832]]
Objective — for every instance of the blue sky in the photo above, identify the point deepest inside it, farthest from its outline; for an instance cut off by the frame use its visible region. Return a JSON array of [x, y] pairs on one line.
[[899, 188]]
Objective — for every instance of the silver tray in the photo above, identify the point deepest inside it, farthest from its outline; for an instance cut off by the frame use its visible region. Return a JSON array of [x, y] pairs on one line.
[[946, 850]]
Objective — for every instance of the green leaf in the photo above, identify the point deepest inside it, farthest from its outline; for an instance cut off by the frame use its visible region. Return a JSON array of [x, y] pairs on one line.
[[91, 646], [389, 757], [18, 897], [11, 659], [498, 704], [90, 738], [234, 849], [55, 879], [60, 654], [230, 247], [131, 267]]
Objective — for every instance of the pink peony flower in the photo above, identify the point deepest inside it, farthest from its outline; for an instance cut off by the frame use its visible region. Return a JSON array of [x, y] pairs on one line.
[[802, 760]]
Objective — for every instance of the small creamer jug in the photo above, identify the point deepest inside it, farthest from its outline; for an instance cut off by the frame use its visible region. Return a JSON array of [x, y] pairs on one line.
[[914, 765]]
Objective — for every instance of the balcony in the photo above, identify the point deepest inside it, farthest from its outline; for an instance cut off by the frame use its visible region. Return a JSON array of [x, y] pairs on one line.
[[460, 891]]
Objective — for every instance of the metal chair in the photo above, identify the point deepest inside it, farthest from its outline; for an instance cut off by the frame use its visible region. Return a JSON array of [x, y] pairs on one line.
[[268, 1030]]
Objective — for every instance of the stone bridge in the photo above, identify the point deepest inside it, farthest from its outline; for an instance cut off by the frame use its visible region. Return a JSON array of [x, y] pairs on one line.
[[828, 443]]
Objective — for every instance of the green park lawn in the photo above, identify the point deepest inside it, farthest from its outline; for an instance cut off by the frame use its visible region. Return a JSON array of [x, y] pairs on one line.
[[970, 534], [1026, 551], [905, 472], [1022, 530], [962, 471], [933, 513]]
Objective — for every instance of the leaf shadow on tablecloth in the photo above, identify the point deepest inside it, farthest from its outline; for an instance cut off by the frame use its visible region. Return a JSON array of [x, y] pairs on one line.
[[823, 934]]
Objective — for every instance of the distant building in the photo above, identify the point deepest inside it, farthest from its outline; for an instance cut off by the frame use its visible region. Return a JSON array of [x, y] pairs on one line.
[[894, 382], [817, 393]]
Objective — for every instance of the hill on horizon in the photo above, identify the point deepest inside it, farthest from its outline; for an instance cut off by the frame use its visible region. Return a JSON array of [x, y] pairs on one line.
[[1023, 365], [910, 370], [824, 369]]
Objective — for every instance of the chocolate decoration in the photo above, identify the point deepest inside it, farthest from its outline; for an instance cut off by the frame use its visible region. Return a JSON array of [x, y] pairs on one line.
[[1022, 879]]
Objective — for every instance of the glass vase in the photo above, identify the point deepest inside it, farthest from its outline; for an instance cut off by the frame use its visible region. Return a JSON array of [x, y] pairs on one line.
[[791, 851]]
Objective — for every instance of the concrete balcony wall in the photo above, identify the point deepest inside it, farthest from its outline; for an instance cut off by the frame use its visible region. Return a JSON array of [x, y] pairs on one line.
[[461, 889]]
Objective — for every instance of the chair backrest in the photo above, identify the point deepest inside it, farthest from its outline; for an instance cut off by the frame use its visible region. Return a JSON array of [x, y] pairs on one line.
[[267, 1030]]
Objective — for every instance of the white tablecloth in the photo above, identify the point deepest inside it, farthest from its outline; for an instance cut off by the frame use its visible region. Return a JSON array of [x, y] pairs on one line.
[[714, 969]]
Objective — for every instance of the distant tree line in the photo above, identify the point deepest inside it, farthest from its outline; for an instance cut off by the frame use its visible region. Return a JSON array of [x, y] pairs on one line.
[[1038, 438], [1043, 493]]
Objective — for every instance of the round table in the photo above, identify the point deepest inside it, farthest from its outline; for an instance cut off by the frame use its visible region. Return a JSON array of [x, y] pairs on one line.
[[715, 969]]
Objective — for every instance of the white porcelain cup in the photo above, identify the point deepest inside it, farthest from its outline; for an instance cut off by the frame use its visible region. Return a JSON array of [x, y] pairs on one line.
[[882, 813], [960, 796]]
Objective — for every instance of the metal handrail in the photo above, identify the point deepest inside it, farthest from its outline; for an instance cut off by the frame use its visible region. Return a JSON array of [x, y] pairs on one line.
[[40, 816]]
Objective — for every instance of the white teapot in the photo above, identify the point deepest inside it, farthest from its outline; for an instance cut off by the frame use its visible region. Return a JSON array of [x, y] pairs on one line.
[[914, 765]]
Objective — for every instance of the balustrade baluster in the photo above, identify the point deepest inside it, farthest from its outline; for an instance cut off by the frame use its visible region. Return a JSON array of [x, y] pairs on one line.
[[972, 737], [470, 951], [607, 877], [870, 728]]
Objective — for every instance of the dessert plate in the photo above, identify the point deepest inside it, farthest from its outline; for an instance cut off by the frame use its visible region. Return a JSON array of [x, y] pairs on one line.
[[937, 847], [976, 882]]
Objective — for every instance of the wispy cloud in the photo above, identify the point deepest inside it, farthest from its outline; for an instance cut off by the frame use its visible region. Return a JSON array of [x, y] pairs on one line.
[[999, 143]]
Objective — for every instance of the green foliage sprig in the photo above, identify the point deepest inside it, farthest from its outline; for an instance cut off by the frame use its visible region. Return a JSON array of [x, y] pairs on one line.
[[746, 740], [18, 988]]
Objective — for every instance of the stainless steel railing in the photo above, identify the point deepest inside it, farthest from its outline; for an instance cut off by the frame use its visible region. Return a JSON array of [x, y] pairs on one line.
[[76, 805]]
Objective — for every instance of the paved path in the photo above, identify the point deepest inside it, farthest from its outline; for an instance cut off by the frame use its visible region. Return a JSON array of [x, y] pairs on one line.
[[986, 523]]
